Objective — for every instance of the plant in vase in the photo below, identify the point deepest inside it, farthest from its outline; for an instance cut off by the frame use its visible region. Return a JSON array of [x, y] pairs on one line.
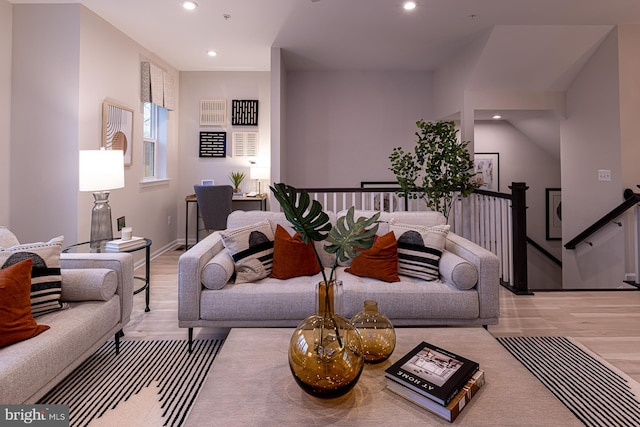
[[325, 352], [237, 178]]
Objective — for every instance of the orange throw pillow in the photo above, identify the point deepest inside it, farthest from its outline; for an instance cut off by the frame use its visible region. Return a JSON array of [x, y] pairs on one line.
[[292, 257], [380, 261], [16, 321]]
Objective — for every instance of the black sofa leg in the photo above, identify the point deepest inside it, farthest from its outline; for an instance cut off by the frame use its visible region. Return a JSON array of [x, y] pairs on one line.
[[486, 327], [118, 335], [190, 339]]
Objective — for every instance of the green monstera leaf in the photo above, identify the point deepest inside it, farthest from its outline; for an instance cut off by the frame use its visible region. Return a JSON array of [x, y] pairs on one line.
[[306, 216], [349, 237]]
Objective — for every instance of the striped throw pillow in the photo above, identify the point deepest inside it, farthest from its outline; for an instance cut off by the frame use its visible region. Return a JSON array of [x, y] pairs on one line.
[[46, 280], [419, 249], [251, 248]]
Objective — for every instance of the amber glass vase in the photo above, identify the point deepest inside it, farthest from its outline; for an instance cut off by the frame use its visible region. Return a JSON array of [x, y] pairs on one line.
[[376, 331], [325, 352]]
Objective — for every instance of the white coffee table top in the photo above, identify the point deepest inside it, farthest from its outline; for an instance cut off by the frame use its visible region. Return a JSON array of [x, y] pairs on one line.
[[250, 384]]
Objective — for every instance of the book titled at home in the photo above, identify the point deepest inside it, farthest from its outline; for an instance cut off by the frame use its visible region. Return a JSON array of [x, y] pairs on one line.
[[433, 372], [453, 409]]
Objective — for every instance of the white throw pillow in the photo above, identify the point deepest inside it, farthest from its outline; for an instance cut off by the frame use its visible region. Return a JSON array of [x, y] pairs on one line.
[[419, 249], [458, 271], [217, 272], [251, 248]]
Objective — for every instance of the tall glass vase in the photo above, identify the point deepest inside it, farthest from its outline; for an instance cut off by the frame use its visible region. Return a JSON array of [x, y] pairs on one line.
[[325, 352], [101, 229]]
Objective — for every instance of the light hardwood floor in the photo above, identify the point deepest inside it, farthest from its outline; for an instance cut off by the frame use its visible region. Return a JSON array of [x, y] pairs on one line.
[[608, 323]]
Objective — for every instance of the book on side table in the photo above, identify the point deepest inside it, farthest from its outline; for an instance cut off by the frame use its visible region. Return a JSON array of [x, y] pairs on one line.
[[123, 245], [453, 409], [432, 372]]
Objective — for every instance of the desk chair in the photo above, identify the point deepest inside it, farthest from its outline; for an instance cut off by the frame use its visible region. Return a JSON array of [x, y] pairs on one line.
[[214, 204]]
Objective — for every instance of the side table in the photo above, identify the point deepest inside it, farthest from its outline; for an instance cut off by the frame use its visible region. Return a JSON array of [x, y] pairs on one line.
[[85, 247]]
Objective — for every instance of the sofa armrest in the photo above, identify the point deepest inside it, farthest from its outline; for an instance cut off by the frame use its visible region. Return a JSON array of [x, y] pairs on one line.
[[121, 263], [488, 266], [190, 265]]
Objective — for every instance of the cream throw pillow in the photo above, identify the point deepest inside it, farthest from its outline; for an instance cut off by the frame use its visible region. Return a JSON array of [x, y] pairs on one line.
[[419, 249], [251, 248]]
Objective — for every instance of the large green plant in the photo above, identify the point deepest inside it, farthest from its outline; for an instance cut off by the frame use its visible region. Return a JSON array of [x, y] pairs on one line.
[[346, 239], [439, 169]]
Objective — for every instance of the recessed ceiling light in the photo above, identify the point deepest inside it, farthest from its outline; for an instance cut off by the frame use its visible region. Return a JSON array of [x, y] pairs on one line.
[[409, 5], [190, 5], [496, 117], [212, 53]]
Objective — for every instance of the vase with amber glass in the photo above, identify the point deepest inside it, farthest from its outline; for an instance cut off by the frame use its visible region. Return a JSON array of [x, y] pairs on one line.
[[325, 352], [377, 333]]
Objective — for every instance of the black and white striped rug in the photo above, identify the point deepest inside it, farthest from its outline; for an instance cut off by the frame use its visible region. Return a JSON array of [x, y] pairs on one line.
[[596, 392], [164, 371]]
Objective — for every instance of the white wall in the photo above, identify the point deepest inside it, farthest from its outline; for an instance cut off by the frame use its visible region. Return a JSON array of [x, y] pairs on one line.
[[44, 121], [6, 12], [342, 126], [522, 160], [590, 140], [195, 86], [67, 61]]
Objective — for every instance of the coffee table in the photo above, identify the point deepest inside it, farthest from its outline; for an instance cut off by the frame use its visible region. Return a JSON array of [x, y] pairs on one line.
[[250, 385]]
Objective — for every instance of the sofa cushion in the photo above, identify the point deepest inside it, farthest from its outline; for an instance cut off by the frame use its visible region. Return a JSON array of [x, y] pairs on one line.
[[419, 249], [380, 261], [218, 271], [292, 257], [251, 248], [46, 286], [458, 271], [16, 321], [7, 238], [88, 284]]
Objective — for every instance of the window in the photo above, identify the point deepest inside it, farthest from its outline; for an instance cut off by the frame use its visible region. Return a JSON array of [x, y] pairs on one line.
[[154, 140]]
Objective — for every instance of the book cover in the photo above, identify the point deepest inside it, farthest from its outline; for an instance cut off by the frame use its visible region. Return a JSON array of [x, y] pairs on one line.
[[433, 372], [120, 244], [453, 409]]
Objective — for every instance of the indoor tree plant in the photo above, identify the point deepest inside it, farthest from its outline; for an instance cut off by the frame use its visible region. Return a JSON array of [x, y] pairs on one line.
[[325, 352], [439, 168]]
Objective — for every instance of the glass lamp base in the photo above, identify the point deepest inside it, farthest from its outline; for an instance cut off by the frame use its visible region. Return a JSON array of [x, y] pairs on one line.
[[101, 228]]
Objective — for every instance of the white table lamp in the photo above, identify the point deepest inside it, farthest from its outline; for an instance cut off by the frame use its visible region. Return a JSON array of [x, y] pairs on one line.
[[100, 171], [258, 173]]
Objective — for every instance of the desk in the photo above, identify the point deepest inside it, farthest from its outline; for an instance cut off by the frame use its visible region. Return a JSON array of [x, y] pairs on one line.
[[86, 247], [244, 203]]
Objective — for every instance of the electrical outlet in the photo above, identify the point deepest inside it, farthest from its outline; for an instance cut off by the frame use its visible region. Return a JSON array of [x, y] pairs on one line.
[[604, 175], [169, 220]]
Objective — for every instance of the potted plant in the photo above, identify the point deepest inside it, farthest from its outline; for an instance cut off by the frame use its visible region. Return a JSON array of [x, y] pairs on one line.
[[325, 351], [439, 168], [237, 178]]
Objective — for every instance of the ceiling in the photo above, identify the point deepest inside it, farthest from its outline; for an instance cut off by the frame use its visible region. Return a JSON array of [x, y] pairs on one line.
[[334, 34]]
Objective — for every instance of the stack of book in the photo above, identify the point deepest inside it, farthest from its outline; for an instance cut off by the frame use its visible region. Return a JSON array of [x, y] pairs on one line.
[[124, 245], [435, 379]]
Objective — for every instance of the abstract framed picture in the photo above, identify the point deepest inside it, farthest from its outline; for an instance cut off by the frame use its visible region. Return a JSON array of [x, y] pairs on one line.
[[554, 214], [486, 167], [117, 129]]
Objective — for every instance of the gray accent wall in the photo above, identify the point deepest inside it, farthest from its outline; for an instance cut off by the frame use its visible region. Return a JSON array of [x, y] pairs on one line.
[[5, 108]]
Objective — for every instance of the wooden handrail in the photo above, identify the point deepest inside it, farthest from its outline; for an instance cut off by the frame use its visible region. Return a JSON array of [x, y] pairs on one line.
[[633, 200], [543, 251]]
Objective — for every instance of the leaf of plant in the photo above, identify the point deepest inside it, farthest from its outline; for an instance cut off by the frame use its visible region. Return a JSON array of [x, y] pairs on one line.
[[348, 237], [306, 216]]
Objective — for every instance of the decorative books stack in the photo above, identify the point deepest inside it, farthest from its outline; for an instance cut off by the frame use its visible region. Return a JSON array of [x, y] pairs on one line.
[[435, 379], [124, 245]]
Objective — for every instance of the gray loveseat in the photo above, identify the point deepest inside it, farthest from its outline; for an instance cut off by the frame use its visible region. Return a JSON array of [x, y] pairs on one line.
[[98, 288], [273, 302]]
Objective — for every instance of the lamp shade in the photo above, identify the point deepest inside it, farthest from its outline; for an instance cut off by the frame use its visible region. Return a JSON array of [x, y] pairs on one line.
[[101, 170], [259, 172]]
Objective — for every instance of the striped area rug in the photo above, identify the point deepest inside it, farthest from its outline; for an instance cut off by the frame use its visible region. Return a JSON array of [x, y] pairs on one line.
[[160, 377], [596, 392]]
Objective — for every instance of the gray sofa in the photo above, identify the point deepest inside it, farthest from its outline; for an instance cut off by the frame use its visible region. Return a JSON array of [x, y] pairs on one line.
[[284, 303], [98, 289]]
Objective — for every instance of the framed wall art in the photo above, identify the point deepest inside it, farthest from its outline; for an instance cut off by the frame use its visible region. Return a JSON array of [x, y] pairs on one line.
[[244, 112], [213, 144], [554, 214], [117, 129], [487, 170]]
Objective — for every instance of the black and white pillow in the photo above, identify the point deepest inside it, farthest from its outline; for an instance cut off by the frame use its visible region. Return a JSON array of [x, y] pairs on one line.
[[251, 248], [46, 280], [419, 249]]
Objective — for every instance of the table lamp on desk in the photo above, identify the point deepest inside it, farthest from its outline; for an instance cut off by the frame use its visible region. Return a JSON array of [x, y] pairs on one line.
[[258, 173]]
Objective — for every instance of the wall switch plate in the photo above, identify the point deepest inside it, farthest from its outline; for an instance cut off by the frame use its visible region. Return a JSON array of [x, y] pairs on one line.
[[604, 175]]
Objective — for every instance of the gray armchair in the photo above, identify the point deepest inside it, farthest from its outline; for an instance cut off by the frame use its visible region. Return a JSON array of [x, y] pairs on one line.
[[214, 204]]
